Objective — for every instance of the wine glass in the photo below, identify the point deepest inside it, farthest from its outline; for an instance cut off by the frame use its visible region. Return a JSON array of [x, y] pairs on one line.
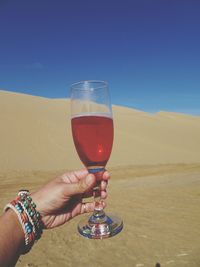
[[92, 130]]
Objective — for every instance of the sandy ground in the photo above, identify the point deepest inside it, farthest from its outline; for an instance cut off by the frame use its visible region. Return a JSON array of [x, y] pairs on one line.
[[160, 206], [156, 189]]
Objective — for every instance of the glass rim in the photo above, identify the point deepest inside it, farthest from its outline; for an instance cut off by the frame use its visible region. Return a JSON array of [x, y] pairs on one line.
[[103, 84]]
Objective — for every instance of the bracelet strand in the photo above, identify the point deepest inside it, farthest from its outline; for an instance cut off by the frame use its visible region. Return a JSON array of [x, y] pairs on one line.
[[28, 216]]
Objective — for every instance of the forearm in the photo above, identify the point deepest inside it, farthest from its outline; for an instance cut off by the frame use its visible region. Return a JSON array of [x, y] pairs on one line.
[[11, 239]]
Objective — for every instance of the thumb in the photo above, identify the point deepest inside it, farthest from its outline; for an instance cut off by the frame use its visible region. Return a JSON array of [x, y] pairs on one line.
[[81, 186]]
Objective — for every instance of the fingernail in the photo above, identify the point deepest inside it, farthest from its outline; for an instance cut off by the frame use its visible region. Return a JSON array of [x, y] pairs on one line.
[[103, 183], [106, 174]]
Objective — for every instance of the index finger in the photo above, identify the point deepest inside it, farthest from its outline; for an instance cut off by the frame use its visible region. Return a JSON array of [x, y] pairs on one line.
[[103, 175]]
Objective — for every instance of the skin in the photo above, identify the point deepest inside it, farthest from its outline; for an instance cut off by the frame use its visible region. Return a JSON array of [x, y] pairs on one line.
[[58, 201]]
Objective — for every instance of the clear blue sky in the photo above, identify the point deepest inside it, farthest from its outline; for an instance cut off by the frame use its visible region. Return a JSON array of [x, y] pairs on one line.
[[148, 50]]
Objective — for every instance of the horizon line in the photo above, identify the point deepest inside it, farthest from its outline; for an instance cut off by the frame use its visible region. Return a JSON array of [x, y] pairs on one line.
[[151, 112]]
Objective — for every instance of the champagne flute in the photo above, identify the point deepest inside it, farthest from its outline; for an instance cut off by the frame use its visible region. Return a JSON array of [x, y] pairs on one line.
[[92, 130]]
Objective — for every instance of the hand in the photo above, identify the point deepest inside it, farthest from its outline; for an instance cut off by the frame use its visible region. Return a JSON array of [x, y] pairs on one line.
[[61, 199]]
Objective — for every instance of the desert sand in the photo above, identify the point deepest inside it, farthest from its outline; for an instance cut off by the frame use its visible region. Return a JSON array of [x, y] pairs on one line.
[[155, 185]]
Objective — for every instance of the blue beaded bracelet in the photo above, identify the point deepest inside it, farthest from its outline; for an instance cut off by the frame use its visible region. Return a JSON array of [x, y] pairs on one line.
[[28, 216]]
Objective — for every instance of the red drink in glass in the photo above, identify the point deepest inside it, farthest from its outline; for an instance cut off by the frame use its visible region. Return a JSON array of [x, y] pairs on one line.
[[93, 138]]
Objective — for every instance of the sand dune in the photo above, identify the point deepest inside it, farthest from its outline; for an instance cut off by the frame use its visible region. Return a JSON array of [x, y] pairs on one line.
[[35, 135]]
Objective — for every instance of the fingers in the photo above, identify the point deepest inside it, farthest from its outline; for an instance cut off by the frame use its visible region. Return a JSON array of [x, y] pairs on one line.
[[80, 182], [89, 207], [90, 194], [103, 175], [73, 177], [106, 176], [103, 188], [80, 187], [103, 194], [104, 185]]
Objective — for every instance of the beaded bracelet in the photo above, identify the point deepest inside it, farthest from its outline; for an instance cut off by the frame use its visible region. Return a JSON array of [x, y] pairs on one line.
[[33, 214], [28, 216]]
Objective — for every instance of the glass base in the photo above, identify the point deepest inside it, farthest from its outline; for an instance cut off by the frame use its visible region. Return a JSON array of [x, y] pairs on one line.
[[99, 225]]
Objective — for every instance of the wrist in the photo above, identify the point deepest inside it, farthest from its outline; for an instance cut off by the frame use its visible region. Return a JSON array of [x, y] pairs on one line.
[[28, 218], [12, 238], [37, 199], [13, 226]]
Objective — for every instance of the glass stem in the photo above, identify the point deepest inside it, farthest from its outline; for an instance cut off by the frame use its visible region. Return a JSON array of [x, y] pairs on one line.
[[97, 197]]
